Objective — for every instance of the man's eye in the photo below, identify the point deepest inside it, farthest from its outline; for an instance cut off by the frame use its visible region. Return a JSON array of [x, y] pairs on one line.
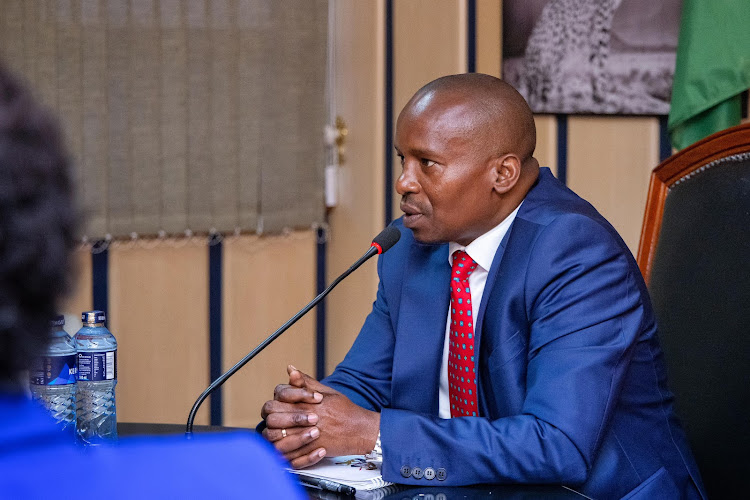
[[401, 159], [426, 163]]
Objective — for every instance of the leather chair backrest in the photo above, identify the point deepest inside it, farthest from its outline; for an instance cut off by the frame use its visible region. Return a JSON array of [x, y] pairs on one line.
[[698, 273]]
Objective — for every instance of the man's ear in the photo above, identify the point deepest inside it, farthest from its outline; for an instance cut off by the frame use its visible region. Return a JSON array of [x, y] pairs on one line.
[[506, 170]]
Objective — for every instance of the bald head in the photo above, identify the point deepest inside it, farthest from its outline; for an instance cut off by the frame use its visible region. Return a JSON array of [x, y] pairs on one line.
[[463, 137], [490, 109]]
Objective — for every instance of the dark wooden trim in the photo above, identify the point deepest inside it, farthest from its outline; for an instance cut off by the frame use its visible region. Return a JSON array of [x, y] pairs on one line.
[[728, 142], [100, 278], [321, 254], [665, 143], [388, 179], [215, 365], [471, 36], [657, 195]]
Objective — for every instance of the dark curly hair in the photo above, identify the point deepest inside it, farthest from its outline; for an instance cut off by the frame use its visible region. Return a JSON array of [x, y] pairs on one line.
[[38, 220]]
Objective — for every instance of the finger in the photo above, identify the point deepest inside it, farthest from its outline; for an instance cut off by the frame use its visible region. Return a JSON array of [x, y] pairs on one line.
[[264, 433], [273, 406], [287, 420], [289, 394], [273, 435], [295, 437], [302, 451], [309, 459], [297, 440], [298, 378], [279, 388]]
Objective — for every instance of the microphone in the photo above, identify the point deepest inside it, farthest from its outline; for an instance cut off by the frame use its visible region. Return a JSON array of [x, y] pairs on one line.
[[381, 243]]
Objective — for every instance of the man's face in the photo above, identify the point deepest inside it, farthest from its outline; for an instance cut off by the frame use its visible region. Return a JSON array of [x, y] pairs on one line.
[[446, 181]]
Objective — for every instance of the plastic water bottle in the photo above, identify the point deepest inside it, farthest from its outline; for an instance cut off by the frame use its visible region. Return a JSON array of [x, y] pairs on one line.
[[52, 375], [96, 421]]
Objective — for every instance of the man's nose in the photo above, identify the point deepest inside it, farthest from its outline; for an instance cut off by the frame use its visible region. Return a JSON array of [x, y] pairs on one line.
[[407, 181]]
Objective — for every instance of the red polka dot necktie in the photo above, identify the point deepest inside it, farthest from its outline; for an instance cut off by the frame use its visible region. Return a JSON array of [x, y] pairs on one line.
[[462, 377]]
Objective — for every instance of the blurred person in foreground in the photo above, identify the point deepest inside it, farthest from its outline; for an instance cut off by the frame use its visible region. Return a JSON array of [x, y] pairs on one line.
[[37, 460], [512, 339]]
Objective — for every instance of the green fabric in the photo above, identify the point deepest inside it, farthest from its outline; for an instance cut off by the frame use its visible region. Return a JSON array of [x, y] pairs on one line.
[[712, 70], [724, 115]]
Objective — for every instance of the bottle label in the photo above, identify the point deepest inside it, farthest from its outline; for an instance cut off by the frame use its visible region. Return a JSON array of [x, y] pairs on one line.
[[95, 366], [53, 370]]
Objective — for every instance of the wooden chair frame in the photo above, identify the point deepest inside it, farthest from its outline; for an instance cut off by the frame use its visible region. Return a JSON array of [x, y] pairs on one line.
[[728, 142]]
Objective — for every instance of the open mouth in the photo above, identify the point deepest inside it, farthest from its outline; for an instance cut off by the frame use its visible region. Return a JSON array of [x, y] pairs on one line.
[[411, 214], [410, 220]]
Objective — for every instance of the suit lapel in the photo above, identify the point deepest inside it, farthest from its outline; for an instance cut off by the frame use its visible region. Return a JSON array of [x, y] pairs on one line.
[[421, 329], [502, 311], [492, 277], [530, 203]]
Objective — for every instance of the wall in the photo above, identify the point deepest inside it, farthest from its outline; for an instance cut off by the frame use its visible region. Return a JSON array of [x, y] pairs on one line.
[[266, 281], [159, 295], [360, 75], [608, 158], [159, 312]]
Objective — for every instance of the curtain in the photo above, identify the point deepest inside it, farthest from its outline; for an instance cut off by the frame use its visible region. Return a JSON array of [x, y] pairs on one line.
[[182, 115]]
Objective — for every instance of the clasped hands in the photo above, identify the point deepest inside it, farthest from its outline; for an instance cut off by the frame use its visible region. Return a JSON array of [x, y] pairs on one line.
[[307, 420]]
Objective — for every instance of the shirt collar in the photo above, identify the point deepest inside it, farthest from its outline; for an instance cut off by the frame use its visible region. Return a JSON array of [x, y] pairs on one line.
[[484, 248]]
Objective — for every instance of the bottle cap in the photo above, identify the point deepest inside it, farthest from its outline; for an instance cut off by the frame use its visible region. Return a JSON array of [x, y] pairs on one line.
[[58, 320], [93, 317]]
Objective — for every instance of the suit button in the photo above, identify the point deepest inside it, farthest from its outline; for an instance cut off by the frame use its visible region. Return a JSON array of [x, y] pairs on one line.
[[429, 473], [405, 471], [441, 474], [417, 473]]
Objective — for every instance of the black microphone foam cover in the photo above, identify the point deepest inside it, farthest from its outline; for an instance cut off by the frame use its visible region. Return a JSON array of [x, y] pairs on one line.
[[386, 239]]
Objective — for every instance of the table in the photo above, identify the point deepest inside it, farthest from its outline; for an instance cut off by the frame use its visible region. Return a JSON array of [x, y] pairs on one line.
[[499, 492], [126, 429], [396, 492]]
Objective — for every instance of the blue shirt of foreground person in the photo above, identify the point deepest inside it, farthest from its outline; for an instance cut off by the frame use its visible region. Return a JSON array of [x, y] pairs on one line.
[[37, 458], [569, 377]]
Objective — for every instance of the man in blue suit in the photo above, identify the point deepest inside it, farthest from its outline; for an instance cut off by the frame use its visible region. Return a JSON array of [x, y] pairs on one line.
[[553, 374]]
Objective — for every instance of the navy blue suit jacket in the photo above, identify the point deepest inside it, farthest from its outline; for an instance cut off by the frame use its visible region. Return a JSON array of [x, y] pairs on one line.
[[570, 377]]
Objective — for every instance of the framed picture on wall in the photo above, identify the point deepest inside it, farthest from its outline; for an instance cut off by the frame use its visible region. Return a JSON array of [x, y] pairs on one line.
[[592, 56]]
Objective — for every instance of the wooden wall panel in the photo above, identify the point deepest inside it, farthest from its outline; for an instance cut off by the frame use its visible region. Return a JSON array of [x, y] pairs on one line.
[[429, 41], [266, 281], [359, 77], [489, 36], [546, 141], [159, 314], [609, 163]]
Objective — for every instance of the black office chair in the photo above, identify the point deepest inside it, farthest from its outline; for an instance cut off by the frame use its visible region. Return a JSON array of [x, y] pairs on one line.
[[695, 256]]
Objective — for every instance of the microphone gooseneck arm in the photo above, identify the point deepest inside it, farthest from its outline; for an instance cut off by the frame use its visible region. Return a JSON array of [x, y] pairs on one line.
[[373, 250]]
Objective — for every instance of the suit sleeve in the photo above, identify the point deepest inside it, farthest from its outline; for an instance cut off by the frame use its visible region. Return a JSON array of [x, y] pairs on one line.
[[584, 312], [364, 375]]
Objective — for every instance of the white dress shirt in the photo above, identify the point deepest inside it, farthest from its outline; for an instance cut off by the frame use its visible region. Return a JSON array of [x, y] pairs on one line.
[[482, 250]]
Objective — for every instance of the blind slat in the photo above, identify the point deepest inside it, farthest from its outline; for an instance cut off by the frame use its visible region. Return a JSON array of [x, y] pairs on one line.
[[94, 102], [182, 114], [174, 115]]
